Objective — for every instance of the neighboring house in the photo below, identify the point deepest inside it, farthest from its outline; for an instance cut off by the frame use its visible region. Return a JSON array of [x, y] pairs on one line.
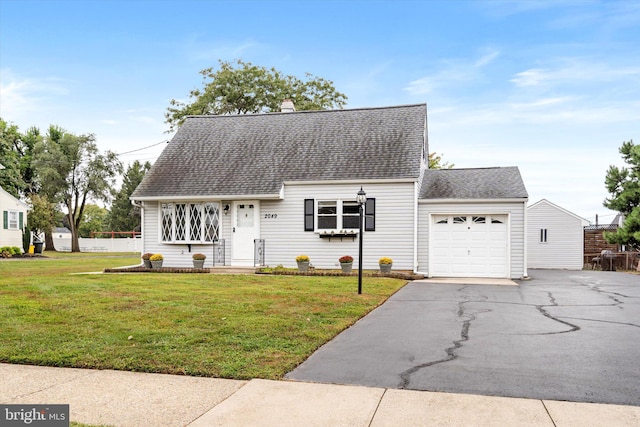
[[555, 237], [264, 188], [14, 219], [61, 233]]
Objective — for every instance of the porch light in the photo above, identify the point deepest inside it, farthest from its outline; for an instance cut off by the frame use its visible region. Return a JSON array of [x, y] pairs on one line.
[[361, 198]]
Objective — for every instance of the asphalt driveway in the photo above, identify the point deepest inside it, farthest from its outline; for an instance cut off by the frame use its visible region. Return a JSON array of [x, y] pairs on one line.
[[563, 335]]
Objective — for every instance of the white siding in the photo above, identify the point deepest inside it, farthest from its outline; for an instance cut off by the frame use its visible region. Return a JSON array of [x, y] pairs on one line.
[[285, 237], [515, 210], [565, 237], [175, 255]]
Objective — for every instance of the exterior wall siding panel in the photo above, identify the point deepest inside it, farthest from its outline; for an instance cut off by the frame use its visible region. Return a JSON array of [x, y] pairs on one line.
[[282, 227]]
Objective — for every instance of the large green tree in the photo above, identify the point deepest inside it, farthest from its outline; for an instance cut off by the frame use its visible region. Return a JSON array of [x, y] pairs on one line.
[[71, 171], [10, 177], [93, 219], [623, 183], [243, 88], [124, 216]]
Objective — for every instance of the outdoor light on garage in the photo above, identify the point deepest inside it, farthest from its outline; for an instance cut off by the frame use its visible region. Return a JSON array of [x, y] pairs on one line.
[[361, 198]]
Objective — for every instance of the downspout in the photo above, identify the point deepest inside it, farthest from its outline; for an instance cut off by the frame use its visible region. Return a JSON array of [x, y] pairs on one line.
[[141, 206]]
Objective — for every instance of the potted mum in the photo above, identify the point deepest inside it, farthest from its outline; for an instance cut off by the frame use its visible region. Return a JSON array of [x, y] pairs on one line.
[[145, 259], [385, 264], [198, 260], [156, 260], [346, 263], [303, 263]]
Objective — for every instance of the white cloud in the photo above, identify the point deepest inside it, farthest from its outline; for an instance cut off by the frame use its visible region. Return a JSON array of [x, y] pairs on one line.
[[575, 71], [20, 95], [487, 58]]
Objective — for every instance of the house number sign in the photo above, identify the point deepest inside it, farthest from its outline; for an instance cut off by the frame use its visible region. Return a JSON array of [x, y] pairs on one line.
[[270, 216]]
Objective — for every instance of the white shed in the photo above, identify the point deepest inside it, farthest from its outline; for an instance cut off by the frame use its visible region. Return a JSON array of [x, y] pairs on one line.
[[555, 237]]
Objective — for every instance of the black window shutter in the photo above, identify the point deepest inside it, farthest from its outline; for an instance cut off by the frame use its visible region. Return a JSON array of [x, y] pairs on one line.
[[21, 220], [370, 215], [308, 214], [5, 219]]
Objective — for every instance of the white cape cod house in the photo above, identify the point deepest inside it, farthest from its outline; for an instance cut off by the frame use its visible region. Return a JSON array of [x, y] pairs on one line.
[[14, 219], [264, 188]]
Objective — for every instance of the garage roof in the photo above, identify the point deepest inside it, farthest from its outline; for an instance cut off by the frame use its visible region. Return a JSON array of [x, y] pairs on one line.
[[476, 183]]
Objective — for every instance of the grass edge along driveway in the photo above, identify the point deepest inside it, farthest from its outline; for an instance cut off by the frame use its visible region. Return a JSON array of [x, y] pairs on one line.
[[225, 326]]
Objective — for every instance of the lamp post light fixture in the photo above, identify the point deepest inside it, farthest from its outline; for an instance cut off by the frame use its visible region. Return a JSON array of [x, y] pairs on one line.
[[361, 198]]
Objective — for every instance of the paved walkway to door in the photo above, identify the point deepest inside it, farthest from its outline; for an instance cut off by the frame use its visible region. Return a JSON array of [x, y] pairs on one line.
[[563, 335]]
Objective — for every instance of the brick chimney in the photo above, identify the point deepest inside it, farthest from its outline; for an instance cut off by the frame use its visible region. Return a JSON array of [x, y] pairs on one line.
[[287, 106]]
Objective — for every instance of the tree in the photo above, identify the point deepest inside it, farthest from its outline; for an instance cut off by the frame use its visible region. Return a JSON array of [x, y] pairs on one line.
[[124, 216], [94, 219], [42, 216], [244, 88], [624, 186], [71, 171], [435, 162], [10, 178]]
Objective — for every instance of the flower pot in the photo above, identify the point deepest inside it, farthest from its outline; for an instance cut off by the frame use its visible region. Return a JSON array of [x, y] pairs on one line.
[[156, 264], [147, 263], [198, 263], [303, 266], [346, 267], [385, 268]]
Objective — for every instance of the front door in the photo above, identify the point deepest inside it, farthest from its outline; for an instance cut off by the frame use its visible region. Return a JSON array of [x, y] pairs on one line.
[[246, 228]]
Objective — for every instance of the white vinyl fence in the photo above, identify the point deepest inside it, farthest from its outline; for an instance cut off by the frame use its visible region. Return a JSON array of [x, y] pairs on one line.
[[127, 244]]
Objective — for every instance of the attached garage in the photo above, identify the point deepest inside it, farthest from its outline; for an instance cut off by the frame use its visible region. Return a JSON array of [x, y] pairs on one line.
[[471, 223]]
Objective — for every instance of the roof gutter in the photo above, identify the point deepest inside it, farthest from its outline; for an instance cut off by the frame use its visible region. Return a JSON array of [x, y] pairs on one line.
[[213, 197], [461, 201]]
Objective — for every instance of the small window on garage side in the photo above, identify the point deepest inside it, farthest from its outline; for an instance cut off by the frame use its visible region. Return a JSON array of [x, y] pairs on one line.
[[543, 235], [459, 219]]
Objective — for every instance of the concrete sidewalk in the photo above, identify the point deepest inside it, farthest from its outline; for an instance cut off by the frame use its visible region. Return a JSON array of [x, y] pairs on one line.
[[118, 398]]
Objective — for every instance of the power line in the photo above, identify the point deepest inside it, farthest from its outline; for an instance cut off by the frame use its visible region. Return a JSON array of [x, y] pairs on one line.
[[143, 148]]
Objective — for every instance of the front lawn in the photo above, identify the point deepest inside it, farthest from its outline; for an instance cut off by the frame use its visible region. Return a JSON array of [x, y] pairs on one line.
[[227, 326]]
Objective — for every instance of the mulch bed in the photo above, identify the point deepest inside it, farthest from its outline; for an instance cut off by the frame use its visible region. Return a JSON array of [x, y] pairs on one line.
[[156, 270]]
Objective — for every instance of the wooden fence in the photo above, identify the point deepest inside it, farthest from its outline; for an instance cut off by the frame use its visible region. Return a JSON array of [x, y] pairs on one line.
[[621, 261]]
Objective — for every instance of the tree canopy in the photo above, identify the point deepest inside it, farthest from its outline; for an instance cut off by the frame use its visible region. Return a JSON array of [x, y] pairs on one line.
[[623, 183], [124, 216], [435, 162], [243, 88], [72, 170]]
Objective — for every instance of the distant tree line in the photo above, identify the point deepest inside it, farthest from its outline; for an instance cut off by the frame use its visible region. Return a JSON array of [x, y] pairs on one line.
[[64, 177]]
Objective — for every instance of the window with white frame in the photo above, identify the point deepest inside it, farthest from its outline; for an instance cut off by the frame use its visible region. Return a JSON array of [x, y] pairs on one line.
[[189, 222], [543, 235], [13, 220], [330, 215]]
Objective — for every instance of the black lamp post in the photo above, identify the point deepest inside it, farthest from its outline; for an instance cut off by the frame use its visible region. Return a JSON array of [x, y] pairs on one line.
[[361, 198]]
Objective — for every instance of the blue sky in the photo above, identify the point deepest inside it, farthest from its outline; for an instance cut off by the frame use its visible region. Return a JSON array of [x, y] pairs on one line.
[[552, 87]]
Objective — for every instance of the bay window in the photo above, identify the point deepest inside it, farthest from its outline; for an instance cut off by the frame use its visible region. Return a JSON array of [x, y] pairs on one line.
[[189, 222]]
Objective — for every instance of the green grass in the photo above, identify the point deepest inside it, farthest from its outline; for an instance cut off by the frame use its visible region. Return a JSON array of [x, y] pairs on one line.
[[227, 326]]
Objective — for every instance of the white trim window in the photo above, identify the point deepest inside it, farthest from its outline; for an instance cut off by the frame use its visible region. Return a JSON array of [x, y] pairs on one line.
[[13, 220], [543, 235], [189, 222], [331, 215]]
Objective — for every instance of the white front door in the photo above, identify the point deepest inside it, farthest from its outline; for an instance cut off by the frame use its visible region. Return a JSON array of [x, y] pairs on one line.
[[246, 228], [469, 246]]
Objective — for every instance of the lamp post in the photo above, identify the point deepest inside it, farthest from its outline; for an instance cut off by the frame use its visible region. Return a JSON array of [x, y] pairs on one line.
[[361, 198]]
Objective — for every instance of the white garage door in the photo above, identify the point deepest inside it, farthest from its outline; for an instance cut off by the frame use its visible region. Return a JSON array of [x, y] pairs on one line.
[[469, 246]]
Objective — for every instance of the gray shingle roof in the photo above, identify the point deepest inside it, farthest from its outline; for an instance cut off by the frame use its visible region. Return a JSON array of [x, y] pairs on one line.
[[255, 154], [479, 183]]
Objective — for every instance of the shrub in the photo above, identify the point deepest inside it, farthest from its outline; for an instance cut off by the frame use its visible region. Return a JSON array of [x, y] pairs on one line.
[[147, 256], [199, 256], [346, 258], [302, 258], [156, 257], [385, 260]]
